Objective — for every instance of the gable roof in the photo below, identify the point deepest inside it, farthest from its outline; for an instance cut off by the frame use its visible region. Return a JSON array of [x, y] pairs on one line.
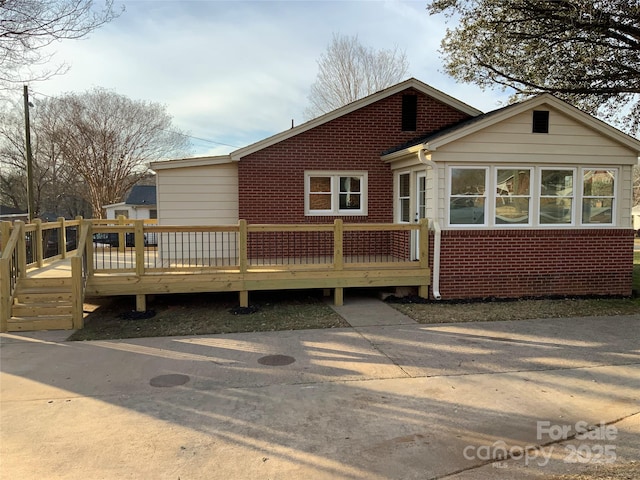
[[353, 106], [236, 155], [142, 195], [438, 139]]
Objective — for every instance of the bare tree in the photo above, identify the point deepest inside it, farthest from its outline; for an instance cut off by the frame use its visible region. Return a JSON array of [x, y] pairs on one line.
[[28, 26], [57, 188], [108, 139], [349, 71], [89, 149]]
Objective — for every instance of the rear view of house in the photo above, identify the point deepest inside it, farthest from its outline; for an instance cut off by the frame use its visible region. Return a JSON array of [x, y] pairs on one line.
[[533, 199]]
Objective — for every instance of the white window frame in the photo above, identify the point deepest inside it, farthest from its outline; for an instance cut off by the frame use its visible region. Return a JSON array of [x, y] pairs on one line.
[[335, 193], [613, 197], [575, 197], [531, 196], [488, 210]]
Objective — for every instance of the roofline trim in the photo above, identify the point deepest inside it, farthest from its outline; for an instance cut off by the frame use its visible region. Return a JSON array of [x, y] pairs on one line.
[[190, 162], [236, 155]]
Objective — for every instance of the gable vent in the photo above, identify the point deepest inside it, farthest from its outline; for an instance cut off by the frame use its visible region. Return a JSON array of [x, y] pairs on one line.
[[409, 113], [540, 121]]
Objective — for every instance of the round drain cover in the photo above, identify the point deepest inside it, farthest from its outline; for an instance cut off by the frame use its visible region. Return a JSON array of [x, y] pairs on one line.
[[276, 360], [171, 380]]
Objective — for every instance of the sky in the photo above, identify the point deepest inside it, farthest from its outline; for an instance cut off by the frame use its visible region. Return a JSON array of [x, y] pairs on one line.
[[234, 72]]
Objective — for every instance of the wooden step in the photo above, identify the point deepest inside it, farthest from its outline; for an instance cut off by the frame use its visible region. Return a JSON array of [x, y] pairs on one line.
[[41, 309], [25, 324], [31, 282], [43, 296]]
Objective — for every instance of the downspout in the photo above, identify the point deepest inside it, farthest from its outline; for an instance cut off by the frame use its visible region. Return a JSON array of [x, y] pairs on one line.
[[435, 287]]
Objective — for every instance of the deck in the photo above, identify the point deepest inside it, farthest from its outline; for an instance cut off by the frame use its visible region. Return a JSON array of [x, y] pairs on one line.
[[141, 259]]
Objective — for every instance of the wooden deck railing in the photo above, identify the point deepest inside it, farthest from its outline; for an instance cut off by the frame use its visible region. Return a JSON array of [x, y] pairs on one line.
[[9, 272], [239, 257], [149, 249]]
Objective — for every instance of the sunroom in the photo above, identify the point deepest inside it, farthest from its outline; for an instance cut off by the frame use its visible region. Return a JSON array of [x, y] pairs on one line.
[[524, 196]]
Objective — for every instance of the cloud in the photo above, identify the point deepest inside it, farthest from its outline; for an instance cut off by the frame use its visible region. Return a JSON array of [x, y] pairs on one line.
[[235, 72]]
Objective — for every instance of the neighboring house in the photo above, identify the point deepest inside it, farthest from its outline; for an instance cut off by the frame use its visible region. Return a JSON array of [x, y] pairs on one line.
[[10, 214], [533, 199], [140, 204]]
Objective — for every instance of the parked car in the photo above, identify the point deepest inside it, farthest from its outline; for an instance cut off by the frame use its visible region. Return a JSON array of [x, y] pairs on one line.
[[113, 240]]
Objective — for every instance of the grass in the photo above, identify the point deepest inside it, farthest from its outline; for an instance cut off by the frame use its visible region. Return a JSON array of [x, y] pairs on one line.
[[212, 313], [448, 312], [206, 313]]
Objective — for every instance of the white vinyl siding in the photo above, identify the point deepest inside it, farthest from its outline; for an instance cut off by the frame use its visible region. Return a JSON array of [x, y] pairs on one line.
[[203, 195], [511, 141]]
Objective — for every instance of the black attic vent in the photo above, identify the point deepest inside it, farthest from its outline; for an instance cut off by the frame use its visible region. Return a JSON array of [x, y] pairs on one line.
[[540, 121], [409, 113]]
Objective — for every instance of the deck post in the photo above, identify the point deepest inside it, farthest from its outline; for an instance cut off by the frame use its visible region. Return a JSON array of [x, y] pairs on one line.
[[5, 233], [338, 259], [88, 224], [243, 261], [22, 249], [5, 292], [38, 239], [122, 242], [62, 238], [76, 288], [141, 299], [423, 290]]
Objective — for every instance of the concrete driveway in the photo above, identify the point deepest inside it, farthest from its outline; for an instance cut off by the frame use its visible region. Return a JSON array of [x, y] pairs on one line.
[[397, 401]]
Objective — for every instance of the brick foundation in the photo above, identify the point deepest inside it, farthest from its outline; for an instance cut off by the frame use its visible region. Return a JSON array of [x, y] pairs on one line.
[[535, 263]]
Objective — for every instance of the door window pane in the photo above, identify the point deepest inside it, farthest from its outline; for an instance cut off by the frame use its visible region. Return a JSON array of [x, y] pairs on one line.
[[404, 193]]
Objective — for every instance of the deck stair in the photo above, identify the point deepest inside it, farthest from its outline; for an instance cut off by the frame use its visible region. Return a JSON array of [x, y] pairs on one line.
[[42, 304]]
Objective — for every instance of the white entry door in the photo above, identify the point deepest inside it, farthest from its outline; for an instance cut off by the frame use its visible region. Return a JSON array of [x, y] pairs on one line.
[[421, 210]]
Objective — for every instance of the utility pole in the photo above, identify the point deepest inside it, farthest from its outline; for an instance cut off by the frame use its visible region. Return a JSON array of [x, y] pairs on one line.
[[27, 133]]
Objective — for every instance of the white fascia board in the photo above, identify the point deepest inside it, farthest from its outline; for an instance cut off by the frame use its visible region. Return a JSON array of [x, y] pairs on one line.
[[121, 204], [352, 107], [190, 162]]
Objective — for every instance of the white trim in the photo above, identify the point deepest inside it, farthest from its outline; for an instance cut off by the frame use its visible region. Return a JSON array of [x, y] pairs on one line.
[[335, 176], [190, 162]]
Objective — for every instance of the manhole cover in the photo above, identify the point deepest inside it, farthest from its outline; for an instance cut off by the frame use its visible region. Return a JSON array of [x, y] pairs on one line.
[[276, 360], [171, 380]]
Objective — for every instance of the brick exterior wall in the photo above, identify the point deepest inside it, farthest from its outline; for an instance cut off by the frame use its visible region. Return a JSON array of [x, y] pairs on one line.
[[535, 263], [271, 181]]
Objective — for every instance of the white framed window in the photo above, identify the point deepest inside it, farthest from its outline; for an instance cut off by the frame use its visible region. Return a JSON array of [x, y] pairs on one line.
[[557, 194], [335, 193], [468, 195], [404, 197], [598, 195], [513, 196]]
